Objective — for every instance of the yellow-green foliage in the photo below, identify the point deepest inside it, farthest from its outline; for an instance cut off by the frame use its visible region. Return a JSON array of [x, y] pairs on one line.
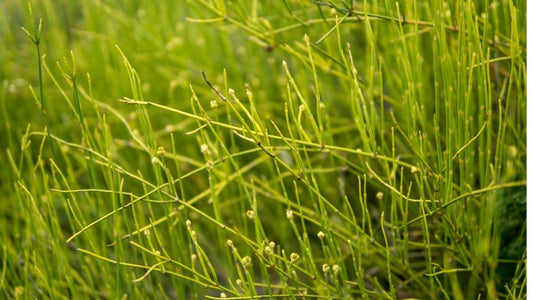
[[234, 149]]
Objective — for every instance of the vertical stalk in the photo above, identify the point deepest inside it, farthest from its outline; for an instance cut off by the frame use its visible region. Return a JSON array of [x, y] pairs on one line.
[[36, 40]]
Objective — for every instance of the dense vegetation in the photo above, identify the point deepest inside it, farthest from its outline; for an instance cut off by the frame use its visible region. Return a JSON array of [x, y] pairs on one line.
[[234, 149]]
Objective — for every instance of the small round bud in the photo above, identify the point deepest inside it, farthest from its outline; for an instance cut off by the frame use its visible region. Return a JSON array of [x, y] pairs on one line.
[[336, 268], [238, 282], [155, 160], [325, 268], [204, 148], [321, 235], [188, 223], [301, 107], [246, 261], [294, 257], [289, 214], [160, 150], [229, 243], [414, 169], [147, 232], [213, 104], [379, 195], [223, 295], [250, 214]]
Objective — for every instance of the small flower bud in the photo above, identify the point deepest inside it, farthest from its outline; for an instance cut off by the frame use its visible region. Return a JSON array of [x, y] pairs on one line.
[[336, 268], [246, 261], [289, 214], [325, 268], [160, 150], [213, 104], [294, 257], [204, 148], [321, 235], [250, 214]]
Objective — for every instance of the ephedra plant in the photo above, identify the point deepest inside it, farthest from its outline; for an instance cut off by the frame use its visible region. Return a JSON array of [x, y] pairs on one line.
[[283, 149]]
